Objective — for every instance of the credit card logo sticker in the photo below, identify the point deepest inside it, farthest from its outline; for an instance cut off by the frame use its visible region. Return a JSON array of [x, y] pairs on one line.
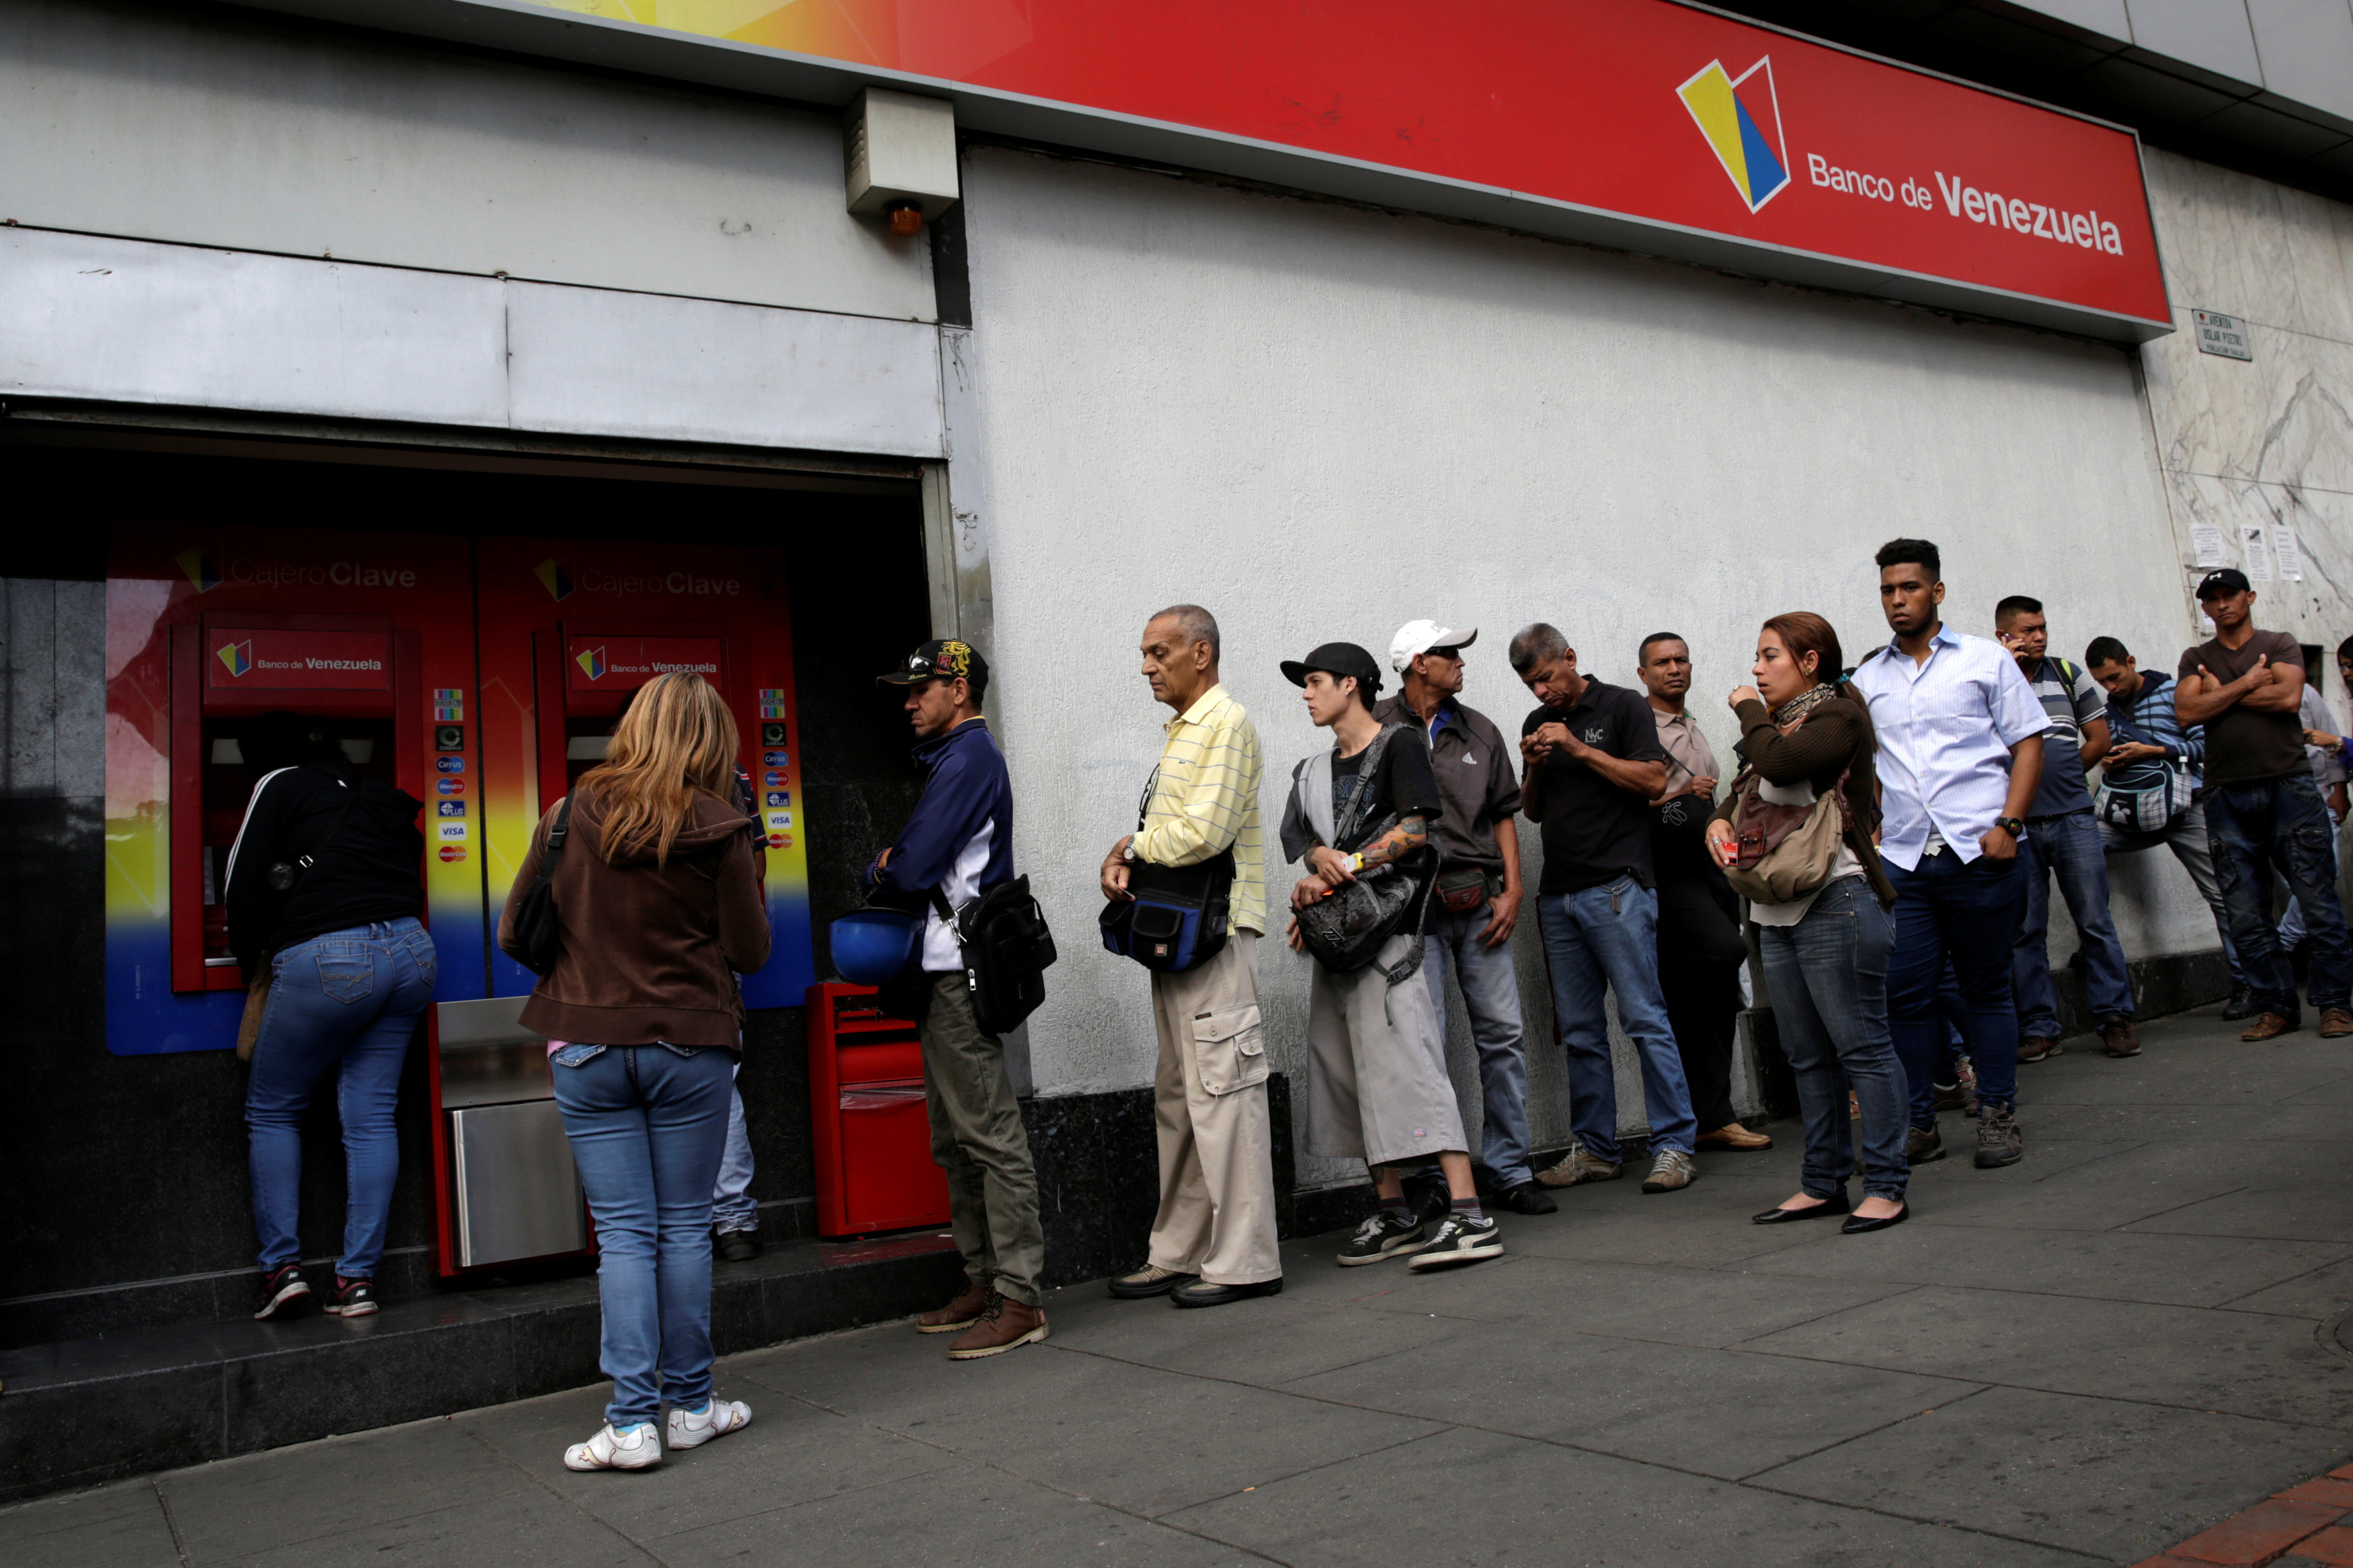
[[453, 830], [453, 852], [780, 797], [451, 787], [448, 705], [1740, 117], [773, 779], [453, 809], [776, 759], [450, 765]]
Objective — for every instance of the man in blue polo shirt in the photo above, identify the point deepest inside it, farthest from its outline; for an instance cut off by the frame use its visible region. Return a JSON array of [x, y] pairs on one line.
[[1960, 752]]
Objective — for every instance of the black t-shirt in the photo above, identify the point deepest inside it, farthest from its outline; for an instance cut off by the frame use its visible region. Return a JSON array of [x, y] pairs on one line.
[[1595, 832], [1405, 786]]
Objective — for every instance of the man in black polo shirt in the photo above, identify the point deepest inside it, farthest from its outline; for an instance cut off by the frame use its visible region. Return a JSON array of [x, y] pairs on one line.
[[1594, 765]]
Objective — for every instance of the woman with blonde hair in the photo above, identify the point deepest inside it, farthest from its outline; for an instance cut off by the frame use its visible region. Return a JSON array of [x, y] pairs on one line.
[[657, 897], [1807, 736]]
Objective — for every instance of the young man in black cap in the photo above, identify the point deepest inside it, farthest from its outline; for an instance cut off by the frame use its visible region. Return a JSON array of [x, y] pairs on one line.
[[958, 844], [2263, 808], [1376, 1084]]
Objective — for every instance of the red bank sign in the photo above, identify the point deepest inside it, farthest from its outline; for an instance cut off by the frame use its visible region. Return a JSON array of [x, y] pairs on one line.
[[331, 662], [1649, 124]]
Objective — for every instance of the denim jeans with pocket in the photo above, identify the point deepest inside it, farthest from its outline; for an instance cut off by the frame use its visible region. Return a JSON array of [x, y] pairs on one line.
[[1491, 995], [1969, 914], [2069, 845], [648, 1124], [2280, 824], [348, 1003], [1608, 937], [1827, 976]]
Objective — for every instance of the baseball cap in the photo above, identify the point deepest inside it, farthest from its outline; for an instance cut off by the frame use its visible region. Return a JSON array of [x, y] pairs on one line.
[[1420, 637], [942, 658], [2228, 580], [1336, 658]]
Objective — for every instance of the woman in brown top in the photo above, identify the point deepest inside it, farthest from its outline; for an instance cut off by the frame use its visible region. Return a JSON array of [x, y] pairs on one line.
[[1804, 732], [657, 898]]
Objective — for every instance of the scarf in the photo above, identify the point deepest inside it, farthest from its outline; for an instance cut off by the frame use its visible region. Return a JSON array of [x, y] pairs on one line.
[[1806, 701]]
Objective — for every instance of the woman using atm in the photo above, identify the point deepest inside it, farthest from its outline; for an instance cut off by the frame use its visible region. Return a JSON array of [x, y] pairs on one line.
[[323, 891]]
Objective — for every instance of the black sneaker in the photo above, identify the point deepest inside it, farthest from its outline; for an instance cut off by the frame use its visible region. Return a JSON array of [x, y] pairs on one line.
[[1426, 1192], [737, 1246], [1923, 1144], [351, 1298], [1526, 1197], [1382, 1237], [1460, 1239], [284, 1292], [2242, 1003]]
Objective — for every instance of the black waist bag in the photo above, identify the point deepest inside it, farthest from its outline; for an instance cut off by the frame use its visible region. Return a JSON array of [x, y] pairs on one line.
[[538, 936], [1175, 916], [1006, 952]]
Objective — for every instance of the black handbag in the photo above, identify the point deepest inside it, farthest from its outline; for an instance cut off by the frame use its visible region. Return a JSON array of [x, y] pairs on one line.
[[1174, 916], [538, 935], [1007, 951], [1346, 930]]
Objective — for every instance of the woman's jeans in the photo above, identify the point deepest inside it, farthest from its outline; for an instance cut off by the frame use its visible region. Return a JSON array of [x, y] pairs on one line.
[[352, 997], [648, 1124], [1828, 975]]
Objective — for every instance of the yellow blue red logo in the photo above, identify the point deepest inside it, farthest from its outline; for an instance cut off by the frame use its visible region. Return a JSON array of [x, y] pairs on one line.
[[237, 656], [201, 568], [1740, 116], [553, 578], [591, 663]]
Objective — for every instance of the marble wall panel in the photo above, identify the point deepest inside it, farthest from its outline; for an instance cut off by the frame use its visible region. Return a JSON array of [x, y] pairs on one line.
[[2319, 607], [2282, 418], [2317, 239]]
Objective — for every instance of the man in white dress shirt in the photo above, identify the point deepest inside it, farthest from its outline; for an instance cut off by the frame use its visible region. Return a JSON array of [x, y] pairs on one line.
[[1961, 752]]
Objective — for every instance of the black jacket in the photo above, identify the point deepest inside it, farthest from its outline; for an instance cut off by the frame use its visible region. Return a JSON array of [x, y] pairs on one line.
[[372, 871]]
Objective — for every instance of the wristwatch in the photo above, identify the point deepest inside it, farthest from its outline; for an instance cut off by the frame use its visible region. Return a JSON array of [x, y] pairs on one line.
[[2013, 825]]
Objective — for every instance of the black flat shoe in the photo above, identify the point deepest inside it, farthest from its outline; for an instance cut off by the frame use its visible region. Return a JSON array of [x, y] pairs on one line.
[[1201, 1293], [1787, 1216], [1859, 1224], [1528, 1197]]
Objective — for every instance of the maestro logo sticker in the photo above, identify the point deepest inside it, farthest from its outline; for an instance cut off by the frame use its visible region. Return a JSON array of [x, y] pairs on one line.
[[1741, 118], [237, 656]]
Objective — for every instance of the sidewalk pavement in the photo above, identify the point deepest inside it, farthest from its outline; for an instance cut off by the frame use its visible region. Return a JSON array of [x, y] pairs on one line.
[[2090, 1357]]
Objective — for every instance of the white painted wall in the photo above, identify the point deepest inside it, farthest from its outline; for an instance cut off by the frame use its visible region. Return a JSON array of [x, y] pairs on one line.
[[252, 131], [1321, 421]]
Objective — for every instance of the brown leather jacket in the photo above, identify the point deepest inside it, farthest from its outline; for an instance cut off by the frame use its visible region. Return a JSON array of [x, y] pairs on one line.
[[647, 950]]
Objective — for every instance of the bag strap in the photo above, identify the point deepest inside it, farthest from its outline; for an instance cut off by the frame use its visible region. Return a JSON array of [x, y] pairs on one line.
[[303, 863], [559, 830], [1353, 815], [947, 914]]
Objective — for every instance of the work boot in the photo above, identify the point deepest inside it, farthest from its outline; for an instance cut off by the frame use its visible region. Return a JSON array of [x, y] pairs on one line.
[[2269, 1026], [1732, 1135], [2336, 1023], [2117, 1034], [966, 1308], [1672, 1171], [1579, 1169], [2240, 1005], [1002, 1325], [1923, 1144], [2000, 1143]]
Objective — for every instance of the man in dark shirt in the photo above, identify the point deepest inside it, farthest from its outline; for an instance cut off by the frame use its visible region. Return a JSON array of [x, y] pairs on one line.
[[1594, 765], [2263, 808], [1477, 904], [1376, 1083]]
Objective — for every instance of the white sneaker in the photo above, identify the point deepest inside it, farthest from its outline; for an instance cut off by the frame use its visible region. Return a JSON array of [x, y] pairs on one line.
[[637, 1448], [693, 1428]]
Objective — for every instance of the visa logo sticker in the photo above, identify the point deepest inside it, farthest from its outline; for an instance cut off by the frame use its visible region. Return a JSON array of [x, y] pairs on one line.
[[453, 809], [780, 819], [449, 764], [453, 830]]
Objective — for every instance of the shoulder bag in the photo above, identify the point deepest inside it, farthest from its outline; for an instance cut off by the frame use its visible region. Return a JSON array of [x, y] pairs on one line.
[[2142, 798], [1006, 952], [1174, 916], [539, 936], [1786, 852], [283, 877], [1346, 929]]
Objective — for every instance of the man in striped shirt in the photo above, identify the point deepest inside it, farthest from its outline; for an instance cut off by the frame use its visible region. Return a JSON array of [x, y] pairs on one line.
[[2146, 731], [1213, 1240]]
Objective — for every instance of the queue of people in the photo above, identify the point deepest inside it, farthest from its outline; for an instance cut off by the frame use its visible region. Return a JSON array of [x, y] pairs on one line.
[[1886, 843]]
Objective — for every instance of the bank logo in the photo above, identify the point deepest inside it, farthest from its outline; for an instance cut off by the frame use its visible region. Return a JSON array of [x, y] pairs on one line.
[[554, 578], [237, 656], [1741, 118], [201, 568], [591, 662]]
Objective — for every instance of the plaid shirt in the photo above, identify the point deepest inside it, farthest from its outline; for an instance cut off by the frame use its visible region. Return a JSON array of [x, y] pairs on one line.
[[1205, 797]]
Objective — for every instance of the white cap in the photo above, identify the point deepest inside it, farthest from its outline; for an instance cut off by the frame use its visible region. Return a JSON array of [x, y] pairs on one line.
[[1421, 637]]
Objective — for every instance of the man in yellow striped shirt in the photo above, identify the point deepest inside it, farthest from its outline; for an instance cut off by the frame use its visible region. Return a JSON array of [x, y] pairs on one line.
[[1213, 1240]]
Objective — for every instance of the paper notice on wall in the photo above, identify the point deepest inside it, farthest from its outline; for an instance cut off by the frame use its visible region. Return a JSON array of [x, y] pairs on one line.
[[2290, 554], [2206, 540], [2254, 536]]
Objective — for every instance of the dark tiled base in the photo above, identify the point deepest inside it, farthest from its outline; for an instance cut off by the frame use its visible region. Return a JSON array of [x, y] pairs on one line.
[[91, 1410]]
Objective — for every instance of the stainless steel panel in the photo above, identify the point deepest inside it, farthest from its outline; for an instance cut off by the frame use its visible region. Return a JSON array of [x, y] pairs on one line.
[[518, 1192], [489, 1058]]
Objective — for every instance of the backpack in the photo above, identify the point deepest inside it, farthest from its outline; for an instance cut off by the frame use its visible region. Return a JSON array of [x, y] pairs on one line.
[[1006, 952], [538, 936]]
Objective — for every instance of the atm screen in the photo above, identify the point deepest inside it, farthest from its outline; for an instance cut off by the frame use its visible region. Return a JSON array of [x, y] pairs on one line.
[[228, 786]]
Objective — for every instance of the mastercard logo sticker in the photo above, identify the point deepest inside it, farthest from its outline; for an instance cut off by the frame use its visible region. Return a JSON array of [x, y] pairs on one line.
[[780, 841], [453, 852]]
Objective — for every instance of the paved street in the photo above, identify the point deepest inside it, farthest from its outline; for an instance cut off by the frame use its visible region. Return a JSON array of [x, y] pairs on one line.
[[2087, 1358]]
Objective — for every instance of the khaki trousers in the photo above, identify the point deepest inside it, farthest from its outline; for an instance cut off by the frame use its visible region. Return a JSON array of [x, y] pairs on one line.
[[978, 1140], [1208, 1104]]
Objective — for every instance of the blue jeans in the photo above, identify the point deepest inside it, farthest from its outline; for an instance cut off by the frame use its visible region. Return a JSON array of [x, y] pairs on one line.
[[349, 999], [2070, 846], [732, 1207], [2280, 824], [1609, 935], [1969, 914], [648, 1124], [1828, 974], [1490, 993]]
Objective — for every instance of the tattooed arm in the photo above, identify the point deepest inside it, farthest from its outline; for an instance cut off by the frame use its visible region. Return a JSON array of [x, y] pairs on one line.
[[1332, 867]]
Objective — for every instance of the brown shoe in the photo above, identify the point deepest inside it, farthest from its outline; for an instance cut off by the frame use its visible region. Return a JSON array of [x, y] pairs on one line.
[[2268, 1026], [966, 1308], [2335, 1023], [1003, 1324], [1732, 1135], [2036, 1048], [2117, 1034]]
